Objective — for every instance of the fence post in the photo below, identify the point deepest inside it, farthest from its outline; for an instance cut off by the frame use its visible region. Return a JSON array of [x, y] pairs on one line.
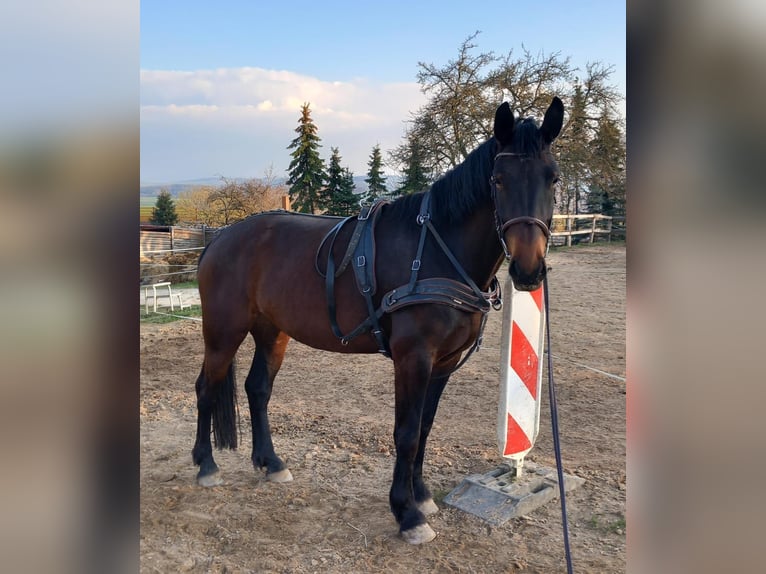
[[172, 227], [569, 230], [593, 231], [609, 229]]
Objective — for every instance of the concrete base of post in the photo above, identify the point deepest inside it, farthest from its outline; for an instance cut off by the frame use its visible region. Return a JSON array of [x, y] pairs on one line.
[[498, 495]]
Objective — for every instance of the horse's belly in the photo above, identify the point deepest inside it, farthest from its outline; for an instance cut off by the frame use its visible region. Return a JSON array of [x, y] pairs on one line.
[[297, 304]]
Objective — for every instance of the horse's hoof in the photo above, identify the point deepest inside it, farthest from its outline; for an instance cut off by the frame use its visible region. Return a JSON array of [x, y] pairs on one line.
[[420, 534], [283, 475], [428, 507], [209, 480]]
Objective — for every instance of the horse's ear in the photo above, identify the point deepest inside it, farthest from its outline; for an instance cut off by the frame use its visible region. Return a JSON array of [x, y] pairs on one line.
[[554, 119], [504, 123]]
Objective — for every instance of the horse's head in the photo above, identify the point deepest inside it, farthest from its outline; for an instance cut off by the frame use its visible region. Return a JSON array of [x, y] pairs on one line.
[[523, 177]]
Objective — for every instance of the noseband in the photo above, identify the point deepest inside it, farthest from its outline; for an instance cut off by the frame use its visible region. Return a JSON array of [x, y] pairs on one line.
[[528, 219]]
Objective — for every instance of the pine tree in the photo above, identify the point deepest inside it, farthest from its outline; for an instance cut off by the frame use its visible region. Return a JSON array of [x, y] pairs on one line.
[[376, 183], [164, 212], [307, 172], [340, 188], [415, 177]]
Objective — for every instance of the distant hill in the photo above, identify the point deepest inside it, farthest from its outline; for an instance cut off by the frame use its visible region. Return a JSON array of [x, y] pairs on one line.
[[153, 189], [175, 188]]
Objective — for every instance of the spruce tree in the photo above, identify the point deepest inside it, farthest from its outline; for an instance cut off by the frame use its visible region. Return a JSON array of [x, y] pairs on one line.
[[164, 212], [376, 183], [353, 204], [415, 177], [340, 188], [307, 172]]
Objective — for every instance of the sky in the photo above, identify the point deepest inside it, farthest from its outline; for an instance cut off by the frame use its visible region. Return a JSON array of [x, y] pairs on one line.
[[222, 83]]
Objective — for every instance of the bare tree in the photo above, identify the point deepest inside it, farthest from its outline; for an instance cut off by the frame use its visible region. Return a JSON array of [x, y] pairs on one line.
[[194, 205], [465, 92]]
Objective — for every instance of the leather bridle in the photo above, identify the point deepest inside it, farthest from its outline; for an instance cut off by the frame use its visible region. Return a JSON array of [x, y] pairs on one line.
[[528, 219]]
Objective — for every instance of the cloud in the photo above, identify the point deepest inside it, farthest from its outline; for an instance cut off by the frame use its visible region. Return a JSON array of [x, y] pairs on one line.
[[238, 105]]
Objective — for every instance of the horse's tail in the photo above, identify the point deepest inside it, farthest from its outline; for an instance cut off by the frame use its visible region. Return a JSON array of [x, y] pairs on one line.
[[226, 413]]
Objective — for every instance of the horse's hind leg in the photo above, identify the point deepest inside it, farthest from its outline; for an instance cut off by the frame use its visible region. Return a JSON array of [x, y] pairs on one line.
[[270, 346], [216, 404]]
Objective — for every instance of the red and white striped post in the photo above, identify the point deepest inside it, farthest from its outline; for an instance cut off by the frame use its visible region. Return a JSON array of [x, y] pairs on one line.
[[521, 372]]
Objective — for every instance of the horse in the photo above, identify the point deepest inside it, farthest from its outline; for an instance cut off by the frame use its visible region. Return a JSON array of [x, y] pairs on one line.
[[256, 278]]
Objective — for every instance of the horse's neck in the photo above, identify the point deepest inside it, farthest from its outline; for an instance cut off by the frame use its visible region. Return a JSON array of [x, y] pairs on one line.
[[475, 244]]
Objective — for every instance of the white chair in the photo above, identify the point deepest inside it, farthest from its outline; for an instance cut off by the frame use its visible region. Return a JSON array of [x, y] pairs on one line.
[[154, 295]]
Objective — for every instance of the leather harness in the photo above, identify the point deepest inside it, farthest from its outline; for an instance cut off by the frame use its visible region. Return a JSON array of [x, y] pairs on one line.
[[467, 296]]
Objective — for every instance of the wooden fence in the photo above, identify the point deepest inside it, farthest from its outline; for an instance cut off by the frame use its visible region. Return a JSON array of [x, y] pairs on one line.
[[158, 239], [586, 227]]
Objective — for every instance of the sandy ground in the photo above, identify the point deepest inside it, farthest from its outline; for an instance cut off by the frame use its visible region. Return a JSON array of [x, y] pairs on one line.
[[332, 422]]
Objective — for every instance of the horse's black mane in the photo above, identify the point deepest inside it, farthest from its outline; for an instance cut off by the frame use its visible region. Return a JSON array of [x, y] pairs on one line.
[[464, 188]]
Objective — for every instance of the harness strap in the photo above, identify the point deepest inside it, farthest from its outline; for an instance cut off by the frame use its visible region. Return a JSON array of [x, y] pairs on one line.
[[361, 249], [476, 344], [363, 270], [330, 292], [424, 220], [423, 216], [438, 290], [361, 221], [453, 259], [465, 296]]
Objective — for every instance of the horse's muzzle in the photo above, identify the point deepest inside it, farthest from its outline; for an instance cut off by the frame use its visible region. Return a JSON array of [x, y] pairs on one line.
[[525, 279]]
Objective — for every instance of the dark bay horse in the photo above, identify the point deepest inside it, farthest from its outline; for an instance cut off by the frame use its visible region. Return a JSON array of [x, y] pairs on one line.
[[258, 277]]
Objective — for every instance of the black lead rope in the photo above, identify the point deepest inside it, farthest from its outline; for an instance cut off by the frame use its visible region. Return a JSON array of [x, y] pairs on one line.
[[555, 428]]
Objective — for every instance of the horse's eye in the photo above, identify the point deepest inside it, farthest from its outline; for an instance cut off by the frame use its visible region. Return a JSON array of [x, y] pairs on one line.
[[555, 180]]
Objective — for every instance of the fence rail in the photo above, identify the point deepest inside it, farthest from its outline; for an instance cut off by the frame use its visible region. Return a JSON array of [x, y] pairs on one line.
[[587, 227], [173, 239], [156, 240]]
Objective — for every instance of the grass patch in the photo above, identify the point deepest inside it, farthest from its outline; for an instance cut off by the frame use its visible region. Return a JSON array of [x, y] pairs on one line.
[[193, 311], [186, 285], [613, 526], [439, 494], [618, 526]]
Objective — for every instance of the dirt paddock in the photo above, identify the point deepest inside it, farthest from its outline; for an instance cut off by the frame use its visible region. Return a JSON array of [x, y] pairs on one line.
[[332, 423]]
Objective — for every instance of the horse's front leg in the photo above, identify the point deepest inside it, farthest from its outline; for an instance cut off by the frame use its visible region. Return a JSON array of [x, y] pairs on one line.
[[423, 498], [412, 373]]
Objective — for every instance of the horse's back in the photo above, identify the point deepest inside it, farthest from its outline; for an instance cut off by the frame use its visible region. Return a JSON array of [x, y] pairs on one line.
[[259, 248], [264, 268]]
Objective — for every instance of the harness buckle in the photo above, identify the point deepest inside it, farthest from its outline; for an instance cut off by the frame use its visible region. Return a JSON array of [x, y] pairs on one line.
[[361, 261], [415, 264], [364, 212], [422, 218]]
